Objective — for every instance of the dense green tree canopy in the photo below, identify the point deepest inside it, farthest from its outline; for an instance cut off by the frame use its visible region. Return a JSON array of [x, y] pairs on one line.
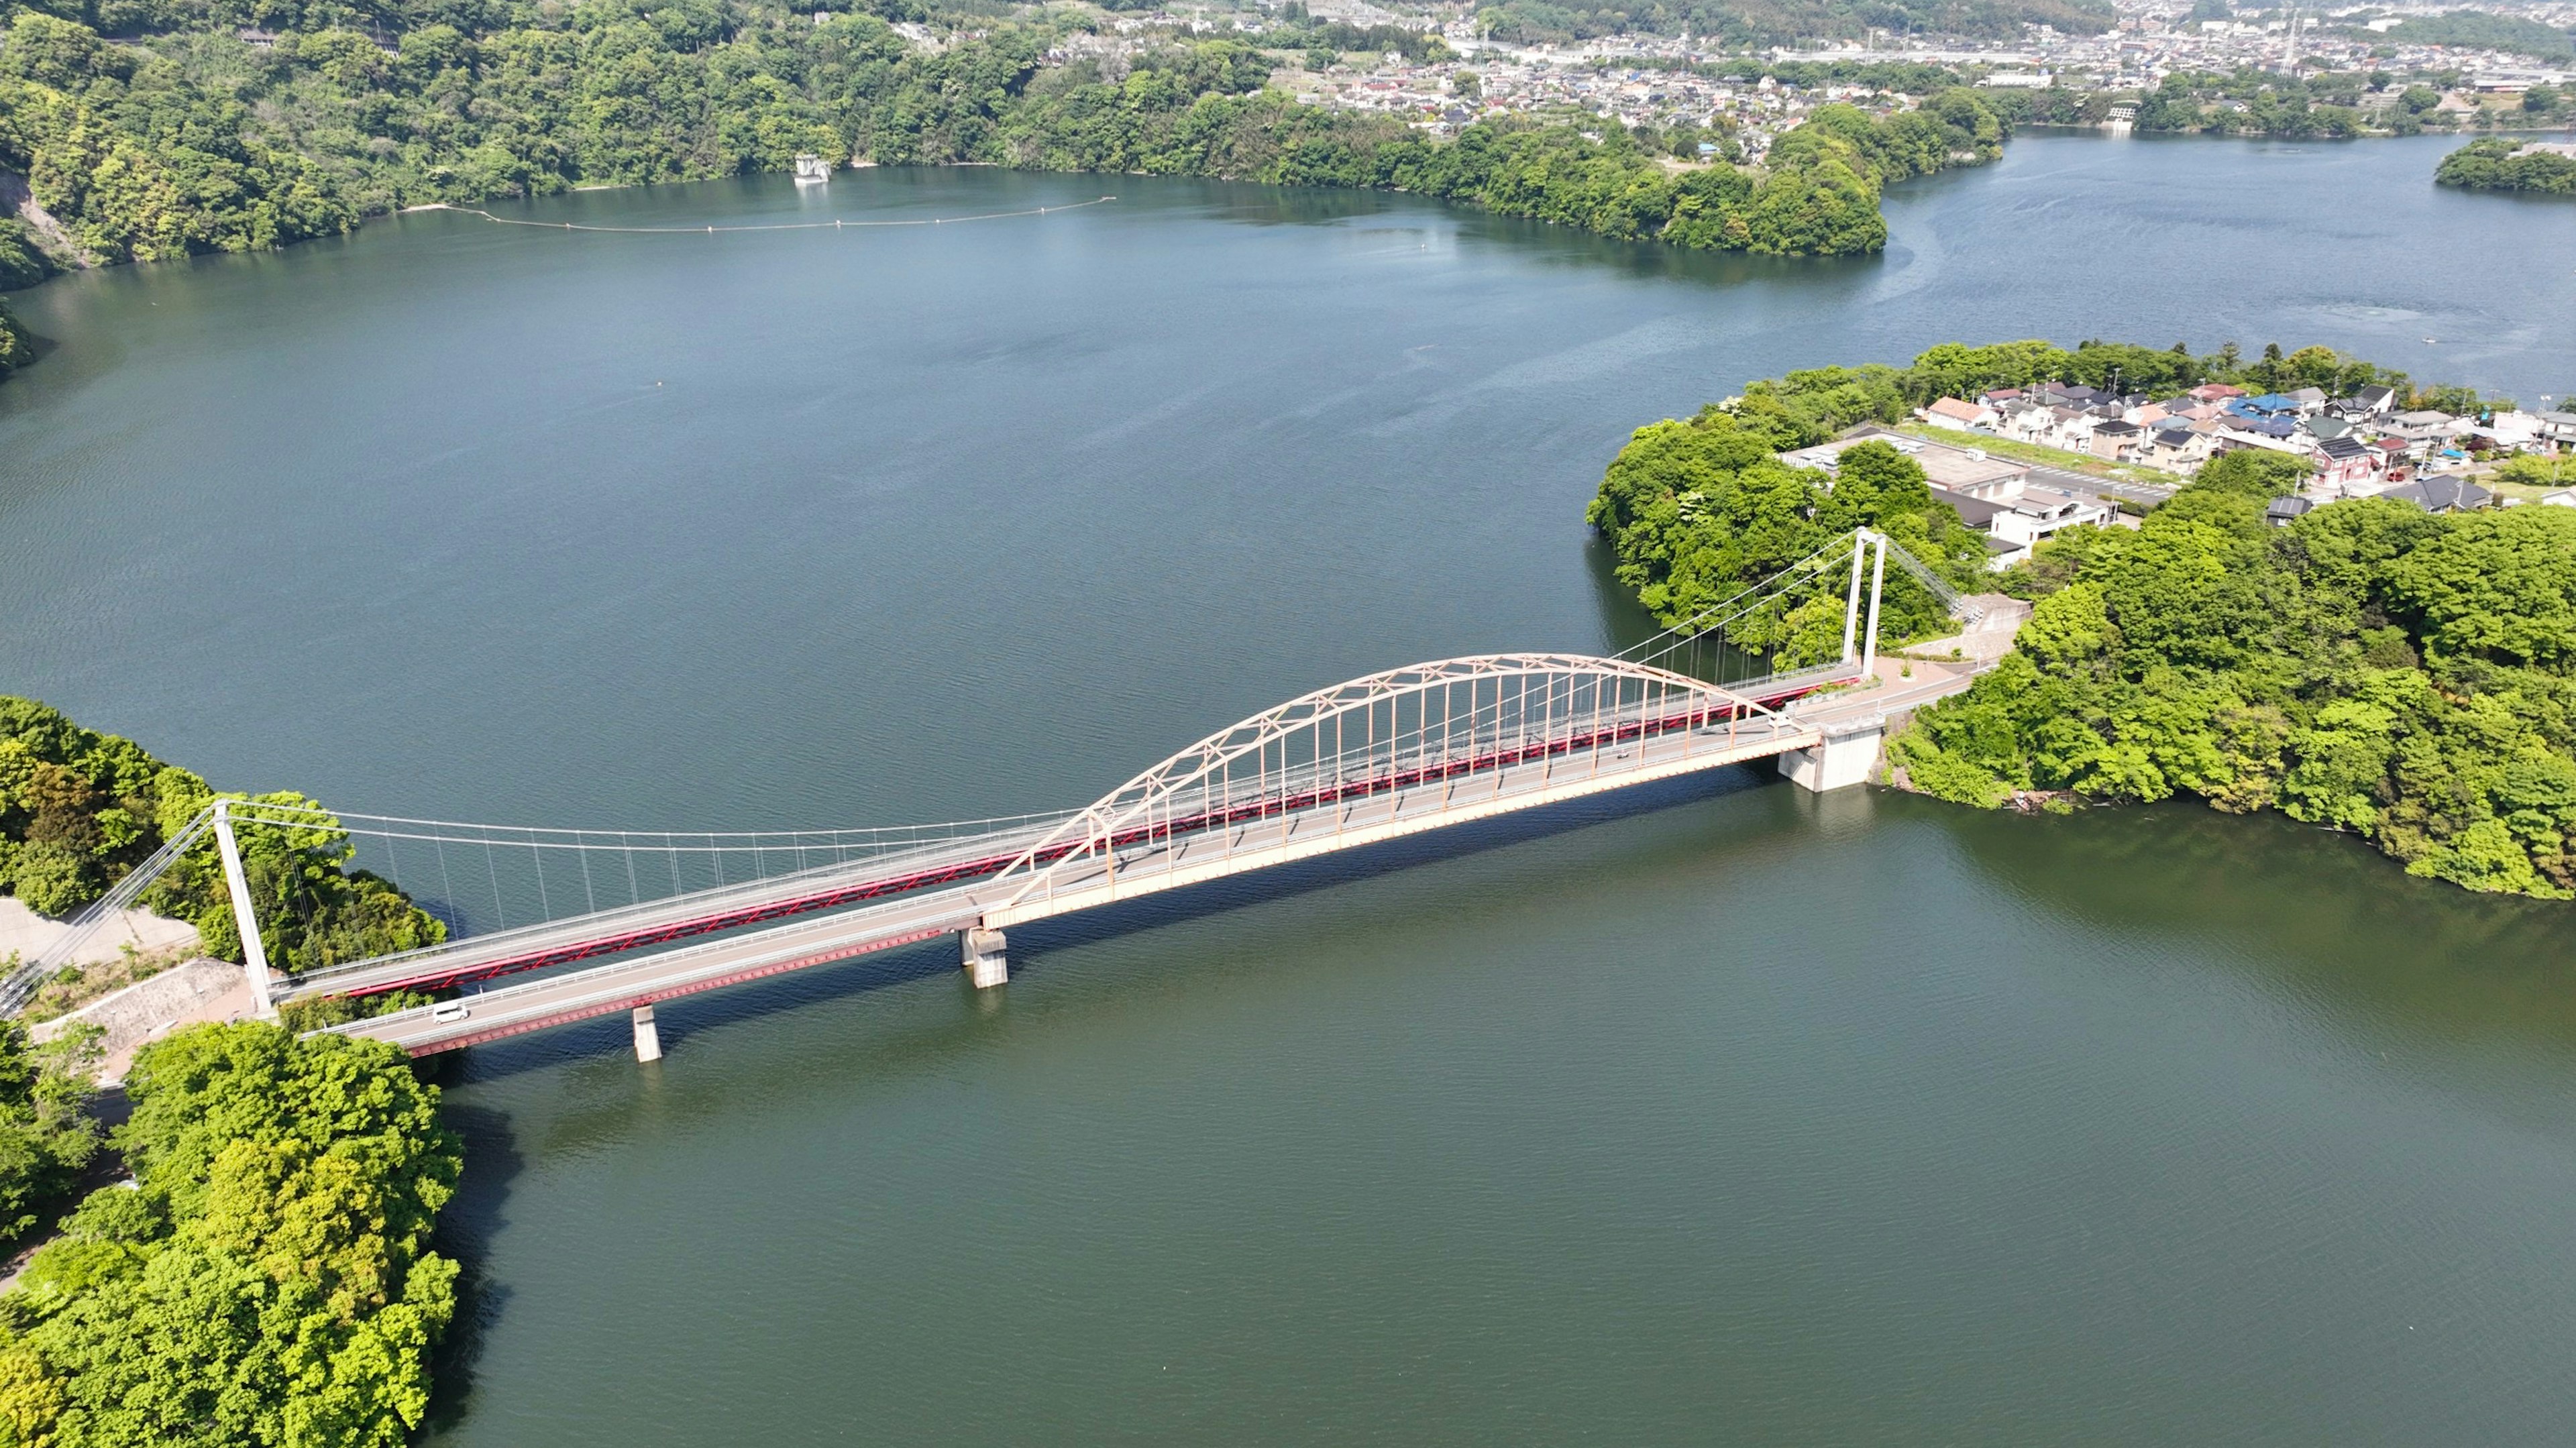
[[45, 1135], [1695, 511], [16, 350], [266, 1280], [2372, 668], [2499, 164], [22, 262], [79, 808], [193, 140]]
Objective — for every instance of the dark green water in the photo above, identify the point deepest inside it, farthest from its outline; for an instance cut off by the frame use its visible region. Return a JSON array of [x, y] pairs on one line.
[[1750, 1117]]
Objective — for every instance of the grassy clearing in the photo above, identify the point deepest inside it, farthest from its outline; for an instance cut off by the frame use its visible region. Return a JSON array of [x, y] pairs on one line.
[[2031, 452]]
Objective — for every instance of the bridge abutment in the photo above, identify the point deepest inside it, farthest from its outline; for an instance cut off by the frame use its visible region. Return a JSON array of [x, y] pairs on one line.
[[980, 952], [1843, 758], [648, 1037]]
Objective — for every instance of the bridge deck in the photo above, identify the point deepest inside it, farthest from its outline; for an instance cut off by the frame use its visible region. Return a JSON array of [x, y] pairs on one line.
[[926, 867]]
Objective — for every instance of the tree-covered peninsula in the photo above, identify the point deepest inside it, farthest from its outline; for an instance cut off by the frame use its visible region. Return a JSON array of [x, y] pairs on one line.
[[153, 129], [2500, 164], [2371, 667], [22, 264], [1696, 510]]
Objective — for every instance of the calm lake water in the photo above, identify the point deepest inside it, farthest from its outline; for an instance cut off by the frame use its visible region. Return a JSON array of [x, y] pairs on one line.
[[1725, 1115]]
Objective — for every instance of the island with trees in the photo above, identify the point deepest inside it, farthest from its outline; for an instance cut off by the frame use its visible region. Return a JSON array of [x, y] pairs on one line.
[[2367, 665], [2501, 164]]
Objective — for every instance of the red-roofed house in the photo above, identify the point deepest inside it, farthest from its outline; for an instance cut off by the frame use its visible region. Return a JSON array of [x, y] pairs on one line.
[[1958, 416]]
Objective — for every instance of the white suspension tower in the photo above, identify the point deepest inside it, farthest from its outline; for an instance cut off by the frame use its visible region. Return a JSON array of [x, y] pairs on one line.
[[1863, 540], [245, 924]]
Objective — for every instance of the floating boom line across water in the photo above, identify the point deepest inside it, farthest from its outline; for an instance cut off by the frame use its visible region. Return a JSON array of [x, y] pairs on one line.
[[837, 224]]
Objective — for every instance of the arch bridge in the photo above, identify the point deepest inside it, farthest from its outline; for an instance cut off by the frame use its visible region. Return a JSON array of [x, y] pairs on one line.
[[1389, 754]]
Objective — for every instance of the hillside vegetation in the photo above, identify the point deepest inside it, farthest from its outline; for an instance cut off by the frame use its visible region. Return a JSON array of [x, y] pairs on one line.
[[266, 1278], [21, 265], [1696, 510], [79, 808], [186, 139], [2372, 667], [2486, 30]]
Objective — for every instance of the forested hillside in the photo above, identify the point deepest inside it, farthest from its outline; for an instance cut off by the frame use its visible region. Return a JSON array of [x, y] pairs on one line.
[[2372, 667], [178, 136], [1696, 510], [266, 1278], [21, 265], [2486, 30]]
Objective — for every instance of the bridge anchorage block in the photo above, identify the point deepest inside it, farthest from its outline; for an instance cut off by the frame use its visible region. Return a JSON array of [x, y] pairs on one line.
[[648, 1036], [980, 952]]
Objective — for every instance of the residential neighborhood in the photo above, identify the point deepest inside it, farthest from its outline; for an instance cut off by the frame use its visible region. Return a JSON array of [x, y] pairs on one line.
[[2367, 444], [1996, 496]]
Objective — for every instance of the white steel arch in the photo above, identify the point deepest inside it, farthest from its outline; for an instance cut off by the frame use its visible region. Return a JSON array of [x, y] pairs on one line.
[[1398, 726]]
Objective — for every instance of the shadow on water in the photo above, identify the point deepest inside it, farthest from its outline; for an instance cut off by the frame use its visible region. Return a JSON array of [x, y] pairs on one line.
[[465, 1232], [611, 1035], [2323, 915], [601, 1101]]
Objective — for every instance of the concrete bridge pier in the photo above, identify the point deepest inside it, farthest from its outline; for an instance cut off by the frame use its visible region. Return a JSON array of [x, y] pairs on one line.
[[1846, 755], [648, 1037], [980, 951]]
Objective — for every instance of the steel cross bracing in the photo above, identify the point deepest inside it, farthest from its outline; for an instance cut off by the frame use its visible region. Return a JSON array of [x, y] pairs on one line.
[[1520, 731], [1378, 732]]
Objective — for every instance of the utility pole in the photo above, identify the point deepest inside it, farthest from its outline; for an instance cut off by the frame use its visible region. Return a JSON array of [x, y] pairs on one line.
[[245, 923]]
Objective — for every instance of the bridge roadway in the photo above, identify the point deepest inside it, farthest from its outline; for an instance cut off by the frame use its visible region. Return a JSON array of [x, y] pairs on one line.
[[681, 917], [929, 865], [1348, 815]]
